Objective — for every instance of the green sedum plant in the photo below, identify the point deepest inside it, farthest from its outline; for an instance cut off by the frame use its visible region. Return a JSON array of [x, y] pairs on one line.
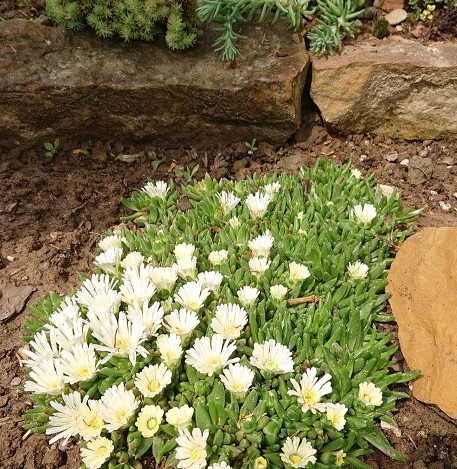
[[131, 19], [240, 333]]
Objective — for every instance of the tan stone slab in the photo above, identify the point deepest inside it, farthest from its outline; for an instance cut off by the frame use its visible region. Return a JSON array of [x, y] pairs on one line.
[[423, 285]]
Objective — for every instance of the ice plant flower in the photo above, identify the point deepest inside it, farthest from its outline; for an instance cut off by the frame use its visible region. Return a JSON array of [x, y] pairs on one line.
[[70, 333], [110, 242], [80, 364], [156, 189], [217, 257], [247, 295], [109, 260], [210, 280], [234, 222], [43, 348], [257, 204], [191, 296], [164, 278], [311, 390], [272, 188], [258, 265], [47, 378], [152, 379], [229, 320], [357, 270], [297, 453], [184, 251], [149, 420], [90, 422], [170, 348], [181, 322], [228, 201], [340, 455], [336, 413], [132, 260], [118, 405], [364, 214], [210, 355], [272, 356], [191, 450], [137, 290], [94, 288], [149, 316], [260, 463], [261, 245], [370, 394], [356, 173], [237, 379], [187, 267], [97, 452], [180, 417], [278, 292], [298, 272], [65, 313]]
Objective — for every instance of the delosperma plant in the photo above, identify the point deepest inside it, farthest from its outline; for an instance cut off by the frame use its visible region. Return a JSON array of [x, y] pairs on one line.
[[240, 333]]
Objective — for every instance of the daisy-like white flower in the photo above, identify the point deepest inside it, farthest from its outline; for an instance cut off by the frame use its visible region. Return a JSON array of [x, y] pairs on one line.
[[67, 311], [97, 452], [43, 347], [132, 260], [220, 465], [237, 379], [228, 201], [47, 378], [234, 222], [340, 455], [272, 356], [180, 417], [90, 422], [210, 280], [370, 394], [149, 420], [258, 265], [164, 278], [118, 405], [364, 214], [272, 188], [210, 355], [64, 422], [93, 288], [261, 246], [191, 450], [150, 316], [229, 320], [137, 290], [311, 389], [181, 322], [217, 257], [357, 270], [80, 364], [356, 173], [110, 242], [336, 413], [103, 307], [170, 348], [257, 204], [109, 260], [260, 463], [153, 379], [298, 453], [156, 189], [247, 295], [71, 333], [191, 296], [298, 272], [183, 251], [278, 292], [187, 267]]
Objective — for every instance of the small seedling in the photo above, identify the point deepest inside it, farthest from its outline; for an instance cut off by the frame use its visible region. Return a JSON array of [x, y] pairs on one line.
[[251, 146], [52, 148], [187, 173], [155, 160]]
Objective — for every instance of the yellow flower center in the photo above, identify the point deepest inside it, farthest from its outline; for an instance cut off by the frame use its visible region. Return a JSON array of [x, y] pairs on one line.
[[193, 304], [238, 387], [151, 424], [154, 386], [271, 364], [170, 356], [54, 384], [295, 458], [96, 422], [309, 398], [83, 371], [101, 451], [196, 453], [230, 330], [121, 414], [215, 361], [260, 463], [122, 344]]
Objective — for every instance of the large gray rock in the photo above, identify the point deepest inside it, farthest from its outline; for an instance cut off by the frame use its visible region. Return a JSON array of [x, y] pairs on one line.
[[55, 83], [395, 87]]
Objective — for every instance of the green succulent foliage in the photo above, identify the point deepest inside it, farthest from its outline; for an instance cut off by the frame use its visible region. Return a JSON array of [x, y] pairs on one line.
[[381, 28], [131, 19]]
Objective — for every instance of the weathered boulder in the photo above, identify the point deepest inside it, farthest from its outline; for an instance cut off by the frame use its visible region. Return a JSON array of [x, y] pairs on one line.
[[56, 83], [394, 87], [423, 284]]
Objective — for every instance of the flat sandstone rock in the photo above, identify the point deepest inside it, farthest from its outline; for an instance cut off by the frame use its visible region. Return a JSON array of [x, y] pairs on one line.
[[423, 284]]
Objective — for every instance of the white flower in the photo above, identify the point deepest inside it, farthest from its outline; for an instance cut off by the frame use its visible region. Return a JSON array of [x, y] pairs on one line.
[[388, 191], [149, 420], [93, 288], [47, 378], [118, 405], [110, 242], [153, 379], [80, 364], [210, 355], [65, 313], [156, 189], [103, 307], [229, 320], [298, 272], [220, 465], [247, 295], [297, 453], [340, 455], [272, 188], [64, 422], [228, 201], [217, 257], [357, 270], [184, 251], [272, 356], [258, 265], [132, 260], [170, 348], [191, 296], [234, 222], [261, 246], [260, 463], [43, 348], [181, 322], [97, 452], [150, 316], [109, 260], [71, 333], [364, 214], [137, 290], [90, 422], [164, 278], [191, 450], [180, 417], [278, 292], [187, 267], [336, 413], [237, 379], [310, 390], [257, 204], [370, 394], [356, 173], [210, 280]]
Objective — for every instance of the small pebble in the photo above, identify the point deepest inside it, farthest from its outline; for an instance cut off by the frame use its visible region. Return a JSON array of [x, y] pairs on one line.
[[392, 157], [16, 381], [399, 28], [423, 153], [396, 16], [445, 206], [404, 162], [386, 191], [10, 258], [455, 194], [363, 157], [433, 192]]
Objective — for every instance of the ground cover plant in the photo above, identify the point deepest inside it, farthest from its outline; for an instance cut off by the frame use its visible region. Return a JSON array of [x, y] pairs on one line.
[[234, 328]]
